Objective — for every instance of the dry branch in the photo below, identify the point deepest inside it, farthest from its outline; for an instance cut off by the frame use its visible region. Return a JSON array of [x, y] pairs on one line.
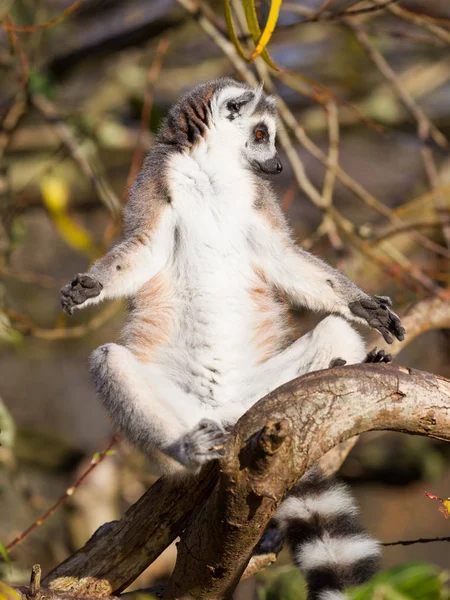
[[316, 412]]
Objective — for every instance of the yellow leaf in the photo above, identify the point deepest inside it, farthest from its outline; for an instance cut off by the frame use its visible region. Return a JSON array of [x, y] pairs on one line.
[[446, 505], [55, 193], [269, 28], [8, 593], [75, 236], [255, 31]]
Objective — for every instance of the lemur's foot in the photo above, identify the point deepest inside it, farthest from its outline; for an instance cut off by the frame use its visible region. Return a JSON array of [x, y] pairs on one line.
[[337, 362], [271, 541], [78, 291], [376, 310], [203, 443], [378, 356]]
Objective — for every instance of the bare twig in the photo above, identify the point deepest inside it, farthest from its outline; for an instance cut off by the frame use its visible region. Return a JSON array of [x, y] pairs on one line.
[[96, 460], [27, 327], [321, 15], [424, 124], [30, 28], [419, 20], [29, 277], [425, 128], [418, 541], [333, 152], [35, 580], [152, 77], [11, 120], [63, 132]]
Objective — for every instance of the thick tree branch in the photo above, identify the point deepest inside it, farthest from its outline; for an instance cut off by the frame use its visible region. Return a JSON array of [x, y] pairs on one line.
[[299, 422], [320, 409], [119, 551]]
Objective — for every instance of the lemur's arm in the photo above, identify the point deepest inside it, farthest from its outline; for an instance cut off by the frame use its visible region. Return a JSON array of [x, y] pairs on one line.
[[130, 263], [308, 281], [121, 272]]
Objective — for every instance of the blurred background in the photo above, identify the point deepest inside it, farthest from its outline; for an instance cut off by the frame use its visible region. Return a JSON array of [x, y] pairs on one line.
[[84, 86]]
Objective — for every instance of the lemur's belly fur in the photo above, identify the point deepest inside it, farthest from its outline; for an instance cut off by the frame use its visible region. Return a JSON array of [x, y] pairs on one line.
[[209, 316]]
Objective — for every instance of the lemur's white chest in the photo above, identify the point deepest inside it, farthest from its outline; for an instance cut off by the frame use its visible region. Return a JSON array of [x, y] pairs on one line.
[[207, 319], [212, 265]]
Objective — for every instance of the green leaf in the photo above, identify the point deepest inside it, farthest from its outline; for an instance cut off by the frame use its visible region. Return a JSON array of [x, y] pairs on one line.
[[5, 556], [413, 581], [231, 29]]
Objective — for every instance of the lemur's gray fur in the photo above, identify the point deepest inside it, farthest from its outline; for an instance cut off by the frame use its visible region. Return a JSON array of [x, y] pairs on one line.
[[210, 269]]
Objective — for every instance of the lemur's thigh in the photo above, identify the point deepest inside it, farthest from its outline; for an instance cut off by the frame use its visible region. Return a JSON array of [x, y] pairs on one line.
[[151, 410], [332, 338]]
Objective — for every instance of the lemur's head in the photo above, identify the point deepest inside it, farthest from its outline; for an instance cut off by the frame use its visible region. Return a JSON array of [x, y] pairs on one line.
[[225, 111]]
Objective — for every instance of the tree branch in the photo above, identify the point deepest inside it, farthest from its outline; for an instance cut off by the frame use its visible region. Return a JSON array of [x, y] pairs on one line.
[[270, 448]]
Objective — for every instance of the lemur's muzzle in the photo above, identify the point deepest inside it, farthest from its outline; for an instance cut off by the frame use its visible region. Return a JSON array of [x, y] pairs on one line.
[[272, 166]]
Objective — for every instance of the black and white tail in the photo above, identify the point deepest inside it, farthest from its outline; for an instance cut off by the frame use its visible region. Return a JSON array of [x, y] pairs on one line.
[[319, 520]]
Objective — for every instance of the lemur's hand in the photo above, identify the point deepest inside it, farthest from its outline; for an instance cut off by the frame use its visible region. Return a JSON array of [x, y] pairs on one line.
[[376, 311], [78, 291]]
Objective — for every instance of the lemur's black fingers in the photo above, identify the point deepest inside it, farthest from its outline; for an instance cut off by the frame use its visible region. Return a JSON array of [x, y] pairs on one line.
[[378, 356], [385, 333], [396, 328], [337, 362], [370, 358], [376, 311], [384, 300], [78, 291]]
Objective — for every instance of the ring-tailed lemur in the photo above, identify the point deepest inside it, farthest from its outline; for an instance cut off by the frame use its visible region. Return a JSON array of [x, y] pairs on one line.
[[210, 269]]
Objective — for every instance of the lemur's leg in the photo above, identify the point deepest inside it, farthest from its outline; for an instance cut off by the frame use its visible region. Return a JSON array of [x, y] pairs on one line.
[[152, 411], [333, 338]]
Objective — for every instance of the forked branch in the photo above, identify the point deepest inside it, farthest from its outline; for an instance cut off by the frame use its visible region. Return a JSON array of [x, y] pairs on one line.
[[273, 444]]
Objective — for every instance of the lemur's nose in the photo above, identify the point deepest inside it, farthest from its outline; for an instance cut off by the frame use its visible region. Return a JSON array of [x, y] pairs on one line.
[[272, 166]]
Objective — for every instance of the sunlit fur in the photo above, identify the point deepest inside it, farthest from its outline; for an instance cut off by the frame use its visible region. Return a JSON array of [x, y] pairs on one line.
[[210, 269]]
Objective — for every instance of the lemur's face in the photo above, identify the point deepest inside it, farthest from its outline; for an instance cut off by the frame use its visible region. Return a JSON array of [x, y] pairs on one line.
[[247, 119]]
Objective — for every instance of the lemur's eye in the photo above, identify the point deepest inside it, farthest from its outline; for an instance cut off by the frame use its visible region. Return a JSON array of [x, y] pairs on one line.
[[233, 106], [260, 135]]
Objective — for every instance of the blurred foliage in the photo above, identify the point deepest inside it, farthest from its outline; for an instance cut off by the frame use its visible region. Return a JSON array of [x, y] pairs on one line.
[[413, 581], [4, 554], [41, 83], [7, 427], [8, 334], [281, 583]]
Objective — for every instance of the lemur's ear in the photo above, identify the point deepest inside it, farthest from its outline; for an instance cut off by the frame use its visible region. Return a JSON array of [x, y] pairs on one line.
[[236, 106]]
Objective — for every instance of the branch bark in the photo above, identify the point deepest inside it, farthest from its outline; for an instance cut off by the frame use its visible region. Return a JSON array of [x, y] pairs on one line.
[[269, 449]]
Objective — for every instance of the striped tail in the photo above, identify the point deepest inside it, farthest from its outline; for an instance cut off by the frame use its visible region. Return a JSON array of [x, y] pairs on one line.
[[320, 522]]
